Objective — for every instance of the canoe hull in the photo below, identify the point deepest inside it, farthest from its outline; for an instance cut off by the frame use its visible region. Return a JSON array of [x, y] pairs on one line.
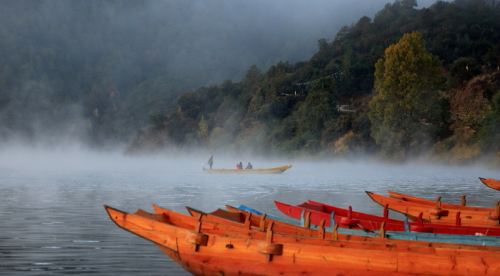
[[357, 215], [431, 203], [297, 212], [354, 234], [269, 253], [399, 227], [490, 182]]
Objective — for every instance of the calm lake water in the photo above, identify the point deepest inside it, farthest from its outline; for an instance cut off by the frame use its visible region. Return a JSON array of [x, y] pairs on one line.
[[52, 219]]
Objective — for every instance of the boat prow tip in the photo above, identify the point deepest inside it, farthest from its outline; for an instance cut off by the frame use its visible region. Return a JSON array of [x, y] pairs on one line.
[[190, 210], [107, 207]]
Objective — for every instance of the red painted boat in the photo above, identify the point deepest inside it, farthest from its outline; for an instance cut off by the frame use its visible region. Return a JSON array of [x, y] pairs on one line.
[[318, 206], [357, 220], [347, 218]]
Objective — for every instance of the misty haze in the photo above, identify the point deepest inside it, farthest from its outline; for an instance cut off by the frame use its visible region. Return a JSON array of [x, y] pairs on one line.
[[122, 103], [92, 72]]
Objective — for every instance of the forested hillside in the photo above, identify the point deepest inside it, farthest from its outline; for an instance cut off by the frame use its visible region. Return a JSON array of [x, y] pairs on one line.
[[94, 70], [439, 65]]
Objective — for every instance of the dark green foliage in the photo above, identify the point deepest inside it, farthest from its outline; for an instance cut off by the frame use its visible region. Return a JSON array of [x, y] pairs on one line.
[[441, 128], [253, 75], [492, 58], [464, 69], [335, 129], [319, 108], [189, 105], [158, 120]]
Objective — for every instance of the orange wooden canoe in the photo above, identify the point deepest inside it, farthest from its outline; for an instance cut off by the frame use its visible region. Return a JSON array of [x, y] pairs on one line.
[[229, 227], [438, 201], [206, 253], [490, 182], [438, 214], [261, 221]]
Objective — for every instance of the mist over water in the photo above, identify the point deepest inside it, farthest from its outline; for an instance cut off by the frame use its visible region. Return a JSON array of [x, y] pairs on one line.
[[52, 218]]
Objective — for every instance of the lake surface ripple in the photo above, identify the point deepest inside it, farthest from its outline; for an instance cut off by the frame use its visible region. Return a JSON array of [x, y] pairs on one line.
[[52, 219]]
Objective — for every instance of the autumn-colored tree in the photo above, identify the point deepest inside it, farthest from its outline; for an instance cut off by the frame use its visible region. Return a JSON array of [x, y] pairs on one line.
[[203, 132], [406, 109]]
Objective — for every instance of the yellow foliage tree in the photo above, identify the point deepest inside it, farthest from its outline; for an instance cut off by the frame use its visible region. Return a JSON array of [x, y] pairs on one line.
[[406, 108]]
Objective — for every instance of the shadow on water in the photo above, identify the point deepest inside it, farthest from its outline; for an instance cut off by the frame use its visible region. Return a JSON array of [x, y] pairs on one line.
[[52, 219]]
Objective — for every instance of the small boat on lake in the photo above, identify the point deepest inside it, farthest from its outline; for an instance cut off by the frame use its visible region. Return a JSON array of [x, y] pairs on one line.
[[276, 170], [490, 182], [206, 248]]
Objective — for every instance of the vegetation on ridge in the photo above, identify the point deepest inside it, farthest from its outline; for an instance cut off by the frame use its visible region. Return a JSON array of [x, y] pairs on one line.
[[294, 109]]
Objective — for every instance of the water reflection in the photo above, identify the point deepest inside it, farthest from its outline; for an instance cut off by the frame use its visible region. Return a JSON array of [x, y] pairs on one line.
[[52, 218]]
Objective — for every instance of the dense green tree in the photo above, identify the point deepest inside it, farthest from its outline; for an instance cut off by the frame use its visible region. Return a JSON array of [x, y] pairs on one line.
[[464, 69], [319, 107], [342, 33], [492, 58], [406, 107], [253, 75]]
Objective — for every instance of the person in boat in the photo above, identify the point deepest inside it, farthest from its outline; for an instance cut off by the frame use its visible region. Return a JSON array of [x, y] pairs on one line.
[[211, 161], [249, 166], [241, 166]]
